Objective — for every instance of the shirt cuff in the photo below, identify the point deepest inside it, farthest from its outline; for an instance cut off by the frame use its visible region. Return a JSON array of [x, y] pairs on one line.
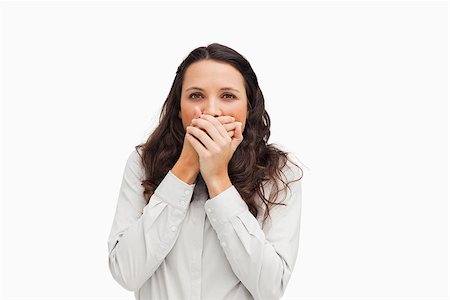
[[175, 191], [223, 206]]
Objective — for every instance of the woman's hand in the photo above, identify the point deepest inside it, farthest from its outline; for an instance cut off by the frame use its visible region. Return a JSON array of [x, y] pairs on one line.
[[214, 147], [187, 166]]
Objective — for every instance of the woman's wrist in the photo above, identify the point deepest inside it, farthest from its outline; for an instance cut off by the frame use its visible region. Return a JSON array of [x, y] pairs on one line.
[[185, 170]]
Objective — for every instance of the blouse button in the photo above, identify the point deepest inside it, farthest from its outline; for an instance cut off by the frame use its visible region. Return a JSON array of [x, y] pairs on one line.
[[183, 202], [223, 244], [214, 220], [186, 192], [173, 228], [209, 209]]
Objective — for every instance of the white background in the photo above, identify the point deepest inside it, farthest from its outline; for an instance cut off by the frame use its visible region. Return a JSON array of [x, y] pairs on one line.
[[357, 90]]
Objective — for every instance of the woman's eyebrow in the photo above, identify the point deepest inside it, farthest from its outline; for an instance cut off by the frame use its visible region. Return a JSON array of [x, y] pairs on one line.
[[222, 89]]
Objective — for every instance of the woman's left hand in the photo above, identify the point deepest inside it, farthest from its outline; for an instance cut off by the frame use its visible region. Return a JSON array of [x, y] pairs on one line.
[[217, 149]]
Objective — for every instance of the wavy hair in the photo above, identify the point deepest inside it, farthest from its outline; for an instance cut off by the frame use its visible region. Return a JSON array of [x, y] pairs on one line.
[[253, 163]]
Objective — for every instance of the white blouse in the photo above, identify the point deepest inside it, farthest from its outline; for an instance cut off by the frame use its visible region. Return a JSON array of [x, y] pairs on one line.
[[183, 245]]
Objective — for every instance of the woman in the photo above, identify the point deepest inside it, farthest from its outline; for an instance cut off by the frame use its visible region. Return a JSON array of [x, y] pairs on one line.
[[199, 214]]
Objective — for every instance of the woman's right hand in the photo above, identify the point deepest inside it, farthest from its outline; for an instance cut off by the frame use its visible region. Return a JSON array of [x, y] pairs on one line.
[[188, 160]]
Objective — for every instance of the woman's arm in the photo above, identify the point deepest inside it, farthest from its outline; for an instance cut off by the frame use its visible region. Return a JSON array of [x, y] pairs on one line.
[[142, 235], [262, 259]]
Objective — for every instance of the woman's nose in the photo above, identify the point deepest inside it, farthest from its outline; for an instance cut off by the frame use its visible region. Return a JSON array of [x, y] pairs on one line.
[[212, 109]]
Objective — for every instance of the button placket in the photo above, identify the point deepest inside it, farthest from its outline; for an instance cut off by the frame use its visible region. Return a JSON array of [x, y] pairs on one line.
[[183, 201], [211, 214]]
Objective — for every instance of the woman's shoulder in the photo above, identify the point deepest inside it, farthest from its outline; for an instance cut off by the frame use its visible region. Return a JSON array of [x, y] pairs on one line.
[[135, 155], [134, 162]]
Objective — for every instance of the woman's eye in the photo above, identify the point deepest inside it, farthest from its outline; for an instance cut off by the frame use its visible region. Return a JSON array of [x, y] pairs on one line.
[[232, 96], [194, 94], [198, 94]]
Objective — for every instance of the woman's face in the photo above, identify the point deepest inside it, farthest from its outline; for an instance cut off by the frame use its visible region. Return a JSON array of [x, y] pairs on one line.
[[203, 90]]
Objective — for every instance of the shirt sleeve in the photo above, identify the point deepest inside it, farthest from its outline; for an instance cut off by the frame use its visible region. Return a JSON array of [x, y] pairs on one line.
[[262, 259], [142, 235]]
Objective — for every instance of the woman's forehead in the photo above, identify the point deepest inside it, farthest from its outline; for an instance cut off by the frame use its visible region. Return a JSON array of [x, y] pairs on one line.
[[209, 75]]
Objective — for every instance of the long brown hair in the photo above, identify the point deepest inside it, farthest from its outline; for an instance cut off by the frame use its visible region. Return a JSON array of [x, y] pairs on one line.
[[253, 163]]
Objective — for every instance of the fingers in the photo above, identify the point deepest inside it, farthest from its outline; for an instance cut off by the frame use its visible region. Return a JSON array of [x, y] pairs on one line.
[[206, 132], [225, 119], [202, 137], [213, 126], [196, 144], [230, 126], [222, 119], [209, 130]]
